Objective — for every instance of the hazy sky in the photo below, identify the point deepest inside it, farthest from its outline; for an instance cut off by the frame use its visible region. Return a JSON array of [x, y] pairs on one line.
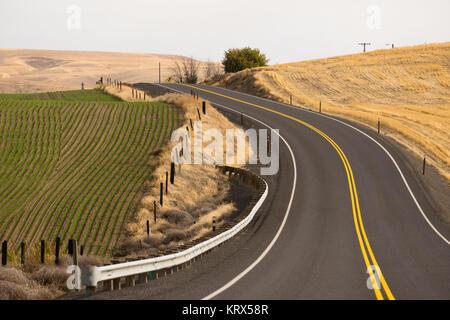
[[285, 30]]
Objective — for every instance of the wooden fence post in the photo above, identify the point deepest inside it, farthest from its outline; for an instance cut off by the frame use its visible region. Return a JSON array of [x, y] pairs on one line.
[[57, 245], [172, 172], [154, 210], [424, 164], [204, 107], [75, 252], [167, 182], [22, 253], [42, 251], [148, 228], [70, 247], [161, 194], [4, 253]]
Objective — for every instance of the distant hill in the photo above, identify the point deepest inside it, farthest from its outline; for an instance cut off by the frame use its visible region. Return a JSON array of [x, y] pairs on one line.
[[23, 70]]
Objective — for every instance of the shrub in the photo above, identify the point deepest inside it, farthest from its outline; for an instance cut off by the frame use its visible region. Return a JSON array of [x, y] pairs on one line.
[[239, 59]]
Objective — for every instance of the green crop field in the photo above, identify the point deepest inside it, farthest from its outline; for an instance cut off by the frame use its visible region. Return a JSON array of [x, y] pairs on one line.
[[75, 169]]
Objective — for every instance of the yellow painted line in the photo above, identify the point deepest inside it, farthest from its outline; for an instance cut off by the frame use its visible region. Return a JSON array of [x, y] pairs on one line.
[[369, 259]]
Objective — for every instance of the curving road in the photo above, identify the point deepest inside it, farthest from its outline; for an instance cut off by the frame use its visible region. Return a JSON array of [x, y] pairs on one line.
[[343, 200]]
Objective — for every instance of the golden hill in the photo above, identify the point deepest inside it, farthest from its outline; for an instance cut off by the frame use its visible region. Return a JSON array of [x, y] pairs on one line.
[[408, 89]]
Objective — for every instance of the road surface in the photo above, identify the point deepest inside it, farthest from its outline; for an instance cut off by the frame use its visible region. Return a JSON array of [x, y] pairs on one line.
[[338, 206]]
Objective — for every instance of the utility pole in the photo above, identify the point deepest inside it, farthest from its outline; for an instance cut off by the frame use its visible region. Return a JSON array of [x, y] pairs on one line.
[[364, 44]]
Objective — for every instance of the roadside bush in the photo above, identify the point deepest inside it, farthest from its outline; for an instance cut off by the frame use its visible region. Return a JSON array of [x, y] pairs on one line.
[[239, 59]]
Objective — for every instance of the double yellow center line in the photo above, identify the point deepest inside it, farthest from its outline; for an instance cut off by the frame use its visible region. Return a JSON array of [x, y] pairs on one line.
[[366, 250]]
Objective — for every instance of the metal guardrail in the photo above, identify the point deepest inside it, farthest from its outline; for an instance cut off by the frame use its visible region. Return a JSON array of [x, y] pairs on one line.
[[92, 275]]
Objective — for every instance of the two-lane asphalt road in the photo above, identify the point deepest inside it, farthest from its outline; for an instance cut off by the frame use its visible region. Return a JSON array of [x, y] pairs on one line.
[[340, 204]]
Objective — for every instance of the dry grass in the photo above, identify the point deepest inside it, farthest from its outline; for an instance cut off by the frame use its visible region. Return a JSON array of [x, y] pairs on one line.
[[408, 89], [36, 281], [198, 194]]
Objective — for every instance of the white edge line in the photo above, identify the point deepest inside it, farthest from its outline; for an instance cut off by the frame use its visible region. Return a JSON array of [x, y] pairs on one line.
[[280, 229], [365, 134]]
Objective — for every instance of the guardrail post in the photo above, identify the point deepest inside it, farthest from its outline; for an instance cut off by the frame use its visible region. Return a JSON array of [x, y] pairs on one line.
[[4, 253], [131, 281], [57, 247], [108, 285], [116, 284], [42, 251], [143, 278], [22, 253], [214, 223]]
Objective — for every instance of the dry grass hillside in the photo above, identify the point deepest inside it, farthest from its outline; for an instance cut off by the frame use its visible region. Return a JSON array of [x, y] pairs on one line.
[[408, 89], [25, 71]]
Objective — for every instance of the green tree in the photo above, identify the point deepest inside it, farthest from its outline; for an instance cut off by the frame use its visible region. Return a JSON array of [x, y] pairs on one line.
[[239, 59]]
